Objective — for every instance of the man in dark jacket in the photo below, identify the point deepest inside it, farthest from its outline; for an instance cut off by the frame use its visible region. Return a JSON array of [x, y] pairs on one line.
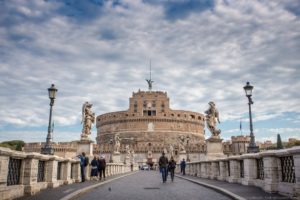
[[83, 163], [163, 165], [182, 166], [101, 167]]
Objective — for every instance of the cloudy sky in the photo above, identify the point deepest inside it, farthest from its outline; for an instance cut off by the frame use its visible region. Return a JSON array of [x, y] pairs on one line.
[[99, 51]]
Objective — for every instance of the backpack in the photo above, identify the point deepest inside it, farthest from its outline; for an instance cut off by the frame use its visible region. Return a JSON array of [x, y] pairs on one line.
[[86, 161], [172, 165]]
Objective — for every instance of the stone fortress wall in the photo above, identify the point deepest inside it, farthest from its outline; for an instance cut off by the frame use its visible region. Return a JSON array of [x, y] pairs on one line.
[[61, 149], [150, 124]]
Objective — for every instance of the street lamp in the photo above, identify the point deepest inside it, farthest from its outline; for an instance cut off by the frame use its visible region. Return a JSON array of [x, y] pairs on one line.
[[252, 148], [187, 149], [111, 142], [47, 149]]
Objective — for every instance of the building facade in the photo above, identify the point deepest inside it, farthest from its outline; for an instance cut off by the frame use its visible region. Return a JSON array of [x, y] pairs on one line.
[[150, 125]]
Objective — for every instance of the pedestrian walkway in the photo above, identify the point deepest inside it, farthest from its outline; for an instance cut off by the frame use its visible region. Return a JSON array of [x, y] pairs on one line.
[[147, 185], [246, 192], [64, 190]]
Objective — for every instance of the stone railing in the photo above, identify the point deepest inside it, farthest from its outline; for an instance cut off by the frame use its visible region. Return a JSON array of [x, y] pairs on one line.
[[28, 173], [276, 171]]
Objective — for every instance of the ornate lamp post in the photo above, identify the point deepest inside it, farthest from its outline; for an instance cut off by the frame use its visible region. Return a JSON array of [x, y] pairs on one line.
[[47, 149], [111, 142], [187, 148], [252, 148]]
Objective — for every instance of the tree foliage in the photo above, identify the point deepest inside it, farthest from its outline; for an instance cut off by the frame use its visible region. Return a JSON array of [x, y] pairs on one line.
[[13, 144], [279, 143]]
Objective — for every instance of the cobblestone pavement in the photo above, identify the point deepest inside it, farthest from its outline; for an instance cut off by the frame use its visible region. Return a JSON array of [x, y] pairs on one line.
[[247, 192], [147, 185]]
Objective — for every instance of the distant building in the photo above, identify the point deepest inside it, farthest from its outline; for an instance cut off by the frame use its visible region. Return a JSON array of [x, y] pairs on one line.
[[265, 145], [237, 146], [62, 149]]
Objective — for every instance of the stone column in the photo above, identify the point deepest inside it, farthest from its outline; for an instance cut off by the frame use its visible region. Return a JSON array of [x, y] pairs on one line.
[[270, 171], [297, 173], [214, 173], [203, 170], [14, 191], [223, 170], [66, 171], [51, 172], [187, 168], [76, 171], [208, 169], [4, 160], [250, 169], [30, 174], [88, 171], [234, 171]]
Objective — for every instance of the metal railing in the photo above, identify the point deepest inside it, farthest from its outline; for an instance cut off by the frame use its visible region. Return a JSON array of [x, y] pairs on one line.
[[228, 167], [41, 171], [59, 164], [241, 168], [260, 168], [218, 168], [288, 169], [14, 171], [72, 170]]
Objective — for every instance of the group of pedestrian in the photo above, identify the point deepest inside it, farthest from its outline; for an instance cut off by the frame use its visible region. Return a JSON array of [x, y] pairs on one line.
[[98, 165], [166, 166]]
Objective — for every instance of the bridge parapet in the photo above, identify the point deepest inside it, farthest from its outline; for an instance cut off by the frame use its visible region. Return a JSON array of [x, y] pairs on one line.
[[275, 171], [28, 173]]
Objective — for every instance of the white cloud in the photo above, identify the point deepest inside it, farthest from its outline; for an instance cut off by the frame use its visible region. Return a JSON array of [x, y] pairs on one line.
[[203, 57]]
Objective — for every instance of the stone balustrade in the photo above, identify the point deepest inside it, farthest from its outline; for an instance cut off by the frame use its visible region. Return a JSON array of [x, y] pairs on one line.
[[28, 173], [275, 171]]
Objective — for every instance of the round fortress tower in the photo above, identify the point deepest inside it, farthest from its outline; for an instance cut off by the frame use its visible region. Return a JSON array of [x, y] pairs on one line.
[[150, 123]]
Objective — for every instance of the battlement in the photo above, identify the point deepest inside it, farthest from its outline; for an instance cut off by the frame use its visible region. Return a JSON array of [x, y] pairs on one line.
[[149, 94], [240, 138]]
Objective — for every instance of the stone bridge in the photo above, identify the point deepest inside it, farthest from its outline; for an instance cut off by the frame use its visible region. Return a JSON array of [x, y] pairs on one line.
[[265, 175]]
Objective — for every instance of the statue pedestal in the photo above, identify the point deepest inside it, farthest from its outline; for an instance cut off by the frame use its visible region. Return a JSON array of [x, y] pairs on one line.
[[116, 157], [127, 160], [182, 155], [214, 148], [85, 146]]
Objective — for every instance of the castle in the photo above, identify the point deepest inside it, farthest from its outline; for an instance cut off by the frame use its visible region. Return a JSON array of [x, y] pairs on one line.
[[146, 129]]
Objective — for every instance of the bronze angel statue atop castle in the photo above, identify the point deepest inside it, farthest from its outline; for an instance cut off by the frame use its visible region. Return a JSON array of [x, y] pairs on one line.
[[88, 118]]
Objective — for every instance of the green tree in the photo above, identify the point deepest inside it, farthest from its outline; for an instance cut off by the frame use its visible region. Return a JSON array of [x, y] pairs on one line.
[[279, 143], [13, 144], [293, 143]]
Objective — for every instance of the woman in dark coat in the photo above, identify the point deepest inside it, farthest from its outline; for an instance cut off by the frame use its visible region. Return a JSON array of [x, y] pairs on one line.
[[171, 167], [94, 168]]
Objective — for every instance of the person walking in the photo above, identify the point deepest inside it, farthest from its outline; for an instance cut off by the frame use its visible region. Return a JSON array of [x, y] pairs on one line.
[[83, 163], [101, 167], [94, 168], [182, 166], [163, 164], [171, 167]]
